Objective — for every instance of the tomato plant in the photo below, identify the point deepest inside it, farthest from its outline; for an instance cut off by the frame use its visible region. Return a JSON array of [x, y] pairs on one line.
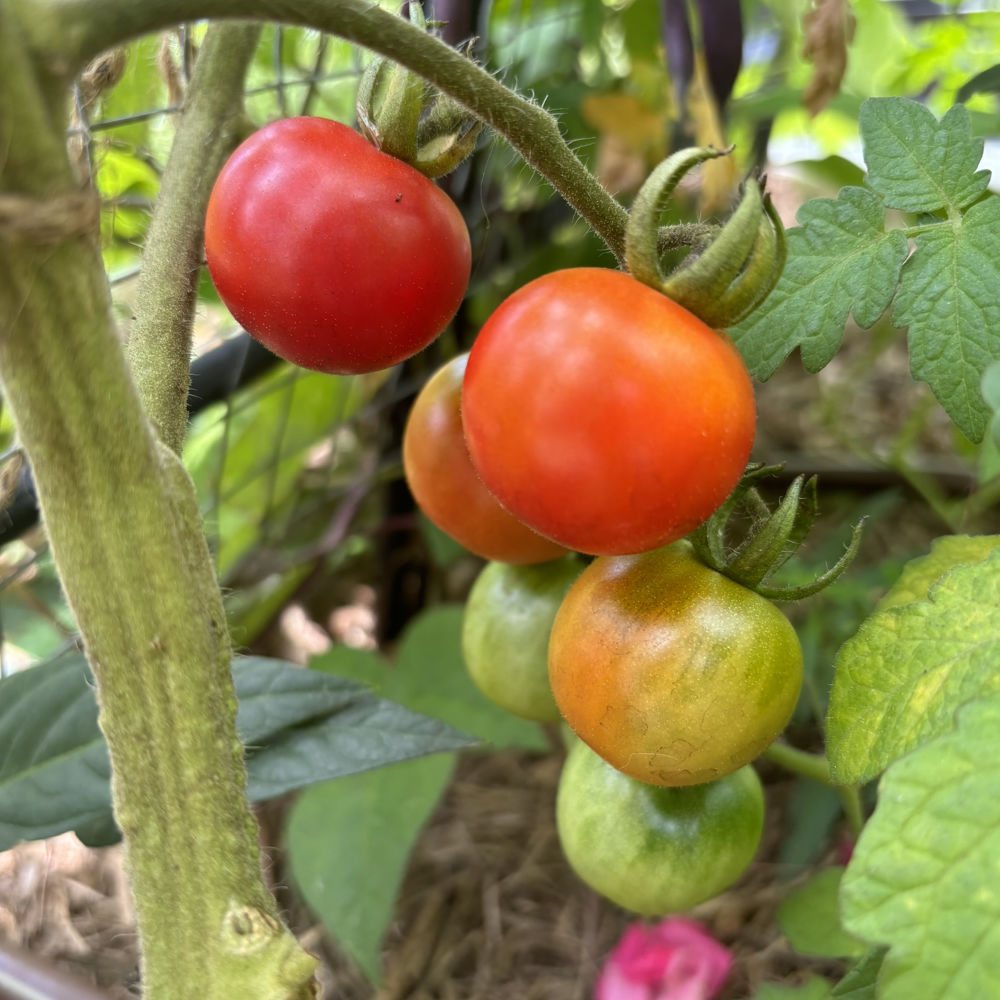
[[673, 673], [505, 633], [603, 414], [656, 850], [448, 489], [332, 254]]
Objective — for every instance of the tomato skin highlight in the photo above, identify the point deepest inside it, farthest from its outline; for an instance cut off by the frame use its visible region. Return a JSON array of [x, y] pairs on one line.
[[334, 255], [447, 487], [673, 673], [656, 850], [604, 415]]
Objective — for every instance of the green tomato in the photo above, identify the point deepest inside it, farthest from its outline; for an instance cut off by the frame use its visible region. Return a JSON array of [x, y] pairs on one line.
[[656, 850], [505, 633]]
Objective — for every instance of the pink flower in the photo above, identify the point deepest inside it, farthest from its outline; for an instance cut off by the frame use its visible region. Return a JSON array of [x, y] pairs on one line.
[[672, 960]]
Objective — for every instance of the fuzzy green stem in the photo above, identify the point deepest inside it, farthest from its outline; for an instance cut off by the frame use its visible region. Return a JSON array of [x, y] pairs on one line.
[[817, 767], [850, 801], [159, 347], [65, 34], [809, 765], [125, 532]]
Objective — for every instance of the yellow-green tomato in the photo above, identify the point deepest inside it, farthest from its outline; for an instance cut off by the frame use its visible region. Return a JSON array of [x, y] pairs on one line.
[[656, 850], [673, 673], [505, 633]]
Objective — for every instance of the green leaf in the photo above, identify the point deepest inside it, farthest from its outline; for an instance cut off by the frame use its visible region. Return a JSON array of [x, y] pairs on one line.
[[362, 665], [991, 385], [991, 394], [917, 163], [947, 552], [810, 918], [948, 299], [275, 694], [840, 261], [900, 679], [368, 733], [923, 878], [430, 677], [246, 458], [811, 812], [812, 989], [300, 726], [54, 769], [348, 843], [859, 982]]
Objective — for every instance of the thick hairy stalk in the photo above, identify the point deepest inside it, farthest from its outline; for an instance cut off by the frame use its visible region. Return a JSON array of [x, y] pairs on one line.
[[126, 535]]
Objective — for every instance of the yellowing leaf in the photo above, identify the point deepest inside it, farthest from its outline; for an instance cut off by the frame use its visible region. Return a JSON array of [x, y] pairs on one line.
[[628, 119], [719, 177], [901, 678], [946, 553]]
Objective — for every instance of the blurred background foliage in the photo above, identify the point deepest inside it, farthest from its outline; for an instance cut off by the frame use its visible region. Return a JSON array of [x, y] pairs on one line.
[[299, 474]]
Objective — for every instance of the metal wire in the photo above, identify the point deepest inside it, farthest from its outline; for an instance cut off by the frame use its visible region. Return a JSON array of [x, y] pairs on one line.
[[296, 91]]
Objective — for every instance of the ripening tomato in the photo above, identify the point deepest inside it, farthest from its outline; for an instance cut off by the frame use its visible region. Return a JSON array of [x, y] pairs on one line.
[[447, 487], [334, 255], [603, 414], [656, 850], [670, 671]]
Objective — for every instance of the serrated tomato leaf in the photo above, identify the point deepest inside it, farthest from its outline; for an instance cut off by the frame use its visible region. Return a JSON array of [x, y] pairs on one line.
[[918, 163], [948, 299], [923, 877], [900, 678], [840, 261]]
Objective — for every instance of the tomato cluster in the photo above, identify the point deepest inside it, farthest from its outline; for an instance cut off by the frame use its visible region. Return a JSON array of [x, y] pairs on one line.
[[595, 414]]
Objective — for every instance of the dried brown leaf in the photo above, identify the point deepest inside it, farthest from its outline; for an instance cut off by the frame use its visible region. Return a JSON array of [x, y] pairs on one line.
[[829, 28]]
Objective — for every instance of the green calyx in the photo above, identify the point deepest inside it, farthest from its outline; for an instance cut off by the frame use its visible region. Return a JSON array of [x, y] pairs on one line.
[[730, 269], [772, 538], [403, 116]]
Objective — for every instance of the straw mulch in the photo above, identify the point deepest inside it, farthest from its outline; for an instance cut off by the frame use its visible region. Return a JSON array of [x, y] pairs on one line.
[[488, 910]]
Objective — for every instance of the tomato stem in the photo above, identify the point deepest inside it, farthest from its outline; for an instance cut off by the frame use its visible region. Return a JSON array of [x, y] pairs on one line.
[[817, 767], [850, 801], [159, 344], [68, 33], [809, 765], [137, 575]]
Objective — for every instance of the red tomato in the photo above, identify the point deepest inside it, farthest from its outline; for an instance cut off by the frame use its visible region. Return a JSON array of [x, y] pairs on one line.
[[332, 254], [445, 485], [603, 414]]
